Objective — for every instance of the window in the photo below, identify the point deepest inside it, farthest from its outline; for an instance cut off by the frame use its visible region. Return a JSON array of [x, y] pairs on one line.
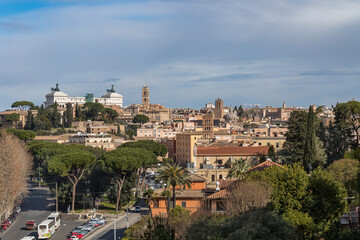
[[259, 143], [213, 178], [277, 145], [183, 204], [156, 204], [220, 177]]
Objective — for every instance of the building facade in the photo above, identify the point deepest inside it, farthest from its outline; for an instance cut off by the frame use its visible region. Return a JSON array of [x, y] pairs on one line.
[[110, 98]]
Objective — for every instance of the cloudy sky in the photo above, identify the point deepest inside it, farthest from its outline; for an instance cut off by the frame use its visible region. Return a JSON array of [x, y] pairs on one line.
[[188, 52]]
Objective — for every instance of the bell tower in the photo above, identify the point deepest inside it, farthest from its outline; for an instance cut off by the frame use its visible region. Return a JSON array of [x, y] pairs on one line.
[[145, 96]]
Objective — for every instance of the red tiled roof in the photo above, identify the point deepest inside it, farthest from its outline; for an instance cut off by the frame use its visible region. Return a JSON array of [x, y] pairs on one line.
[[225, 193], [232, 151], [226, 183], [263, 165]]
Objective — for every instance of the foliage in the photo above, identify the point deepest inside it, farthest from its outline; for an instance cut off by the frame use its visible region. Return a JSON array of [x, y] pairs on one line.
[[207, 227], [157, 148], [174, 175], [140, 118], [310, 139], [159, 229], [347, 117], [14, 117], [345, 171], [260, 224], [121, 163], [71, 165], [22, 105], [327, 200], [68, 116], [24, 135], [179, 212], [353, 154], [272, 153], [55, 117], [295, 137], [238, 169]]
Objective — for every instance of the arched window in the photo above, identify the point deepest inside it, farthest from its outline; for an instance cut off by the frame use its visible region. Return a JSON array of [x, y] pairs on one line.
[[220, 176], [213, 178]]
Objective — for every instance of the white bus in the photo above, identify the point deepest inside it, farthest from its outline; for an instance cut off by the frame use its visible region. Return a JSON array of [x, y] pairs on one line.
[[56, 218], [46, 229]]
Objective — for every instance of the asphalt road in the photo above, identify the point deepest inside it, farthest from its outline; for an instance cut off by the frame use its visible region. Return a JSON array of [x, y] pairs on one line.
[[37, 206], [107, 232]]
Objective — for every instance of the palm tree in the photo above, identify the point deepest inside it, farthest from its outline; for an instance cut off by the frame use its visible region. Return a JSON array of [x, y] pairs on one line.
[[167, 194], [149, 196], [238, 169], [173, 174]]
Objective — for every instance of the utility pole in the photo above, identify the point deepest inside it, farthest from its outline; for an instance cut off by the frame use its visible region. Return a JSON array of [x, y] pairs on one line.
[[39, 177], [127, 217], [56, 196], [115, 227]]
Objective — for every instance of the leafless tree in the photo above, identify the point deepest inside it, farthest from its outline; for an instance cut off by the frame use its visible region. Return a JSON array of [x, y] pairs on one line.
[[15, 166], [247, 195]]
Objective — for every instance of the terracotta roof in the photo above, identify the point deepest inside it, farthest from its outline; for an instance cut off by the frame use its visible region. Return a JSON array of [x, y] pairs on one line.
[[263, 165], [226, 183], [232, 151], [183, 194], [225, 193]]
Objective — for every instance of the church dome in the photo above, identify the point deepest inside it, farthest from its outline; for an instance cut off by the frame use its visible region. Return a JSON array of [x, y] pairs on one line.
[[112, 95], [56, 94]]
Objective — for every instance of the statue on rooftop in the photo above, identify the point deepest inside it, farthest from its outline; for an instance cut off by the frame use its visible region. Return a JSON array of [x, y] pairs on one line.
[[111, 90], [56, 89]]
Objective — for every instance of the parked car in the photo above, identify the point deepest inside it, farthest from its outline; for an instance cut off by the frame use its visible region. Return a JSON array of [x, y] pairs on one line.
[[73, 238], [31, 225], [137, 209], [17, 209]]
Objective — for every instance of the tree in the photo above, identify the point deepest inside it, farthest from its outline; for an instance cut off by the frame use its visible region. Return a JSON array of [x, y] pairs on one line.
[[241, 112], [55, 117], [346, 171], [29, 121], [15, 167], [71, 165], [68, 115], [121, 163], [238, 169], [149, 196], [242, 200], [337, 142], [23, 105], [24, 135], [140, 118], [14, 117], [327, 200], [347, 116], [295, 137], [272, 153], [172, 174], [111, 114], [314, 155], [94, 111], [260, 224], [155, 147]]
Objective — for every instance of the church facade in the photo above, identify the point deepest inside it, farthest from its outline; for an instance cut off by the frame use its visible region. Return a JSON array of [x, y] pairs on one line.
[[110, 98]]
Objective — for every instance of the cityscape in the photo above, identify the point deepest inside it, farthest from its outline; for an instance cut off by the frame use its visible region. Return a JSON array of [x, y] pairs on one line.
[[179, 120]]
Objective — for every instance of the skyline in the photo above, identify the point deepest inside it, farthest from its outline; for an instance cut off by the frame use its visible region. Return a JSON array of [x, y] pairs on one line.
[[188, 52]]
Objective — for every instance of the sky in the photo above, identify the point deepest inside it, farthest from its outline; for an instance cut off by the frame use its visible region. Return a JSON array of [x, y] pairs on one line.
[[189, 52]]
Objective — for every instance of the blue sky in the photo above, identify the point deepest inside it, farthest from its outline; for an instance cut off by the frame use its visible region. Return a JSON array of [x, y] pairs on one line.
[[188, 52]]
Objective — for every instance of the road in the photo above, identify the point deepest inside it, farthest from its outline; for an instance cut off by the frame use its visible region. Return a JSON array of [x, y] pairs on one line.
[[107, 232], [37, 206]]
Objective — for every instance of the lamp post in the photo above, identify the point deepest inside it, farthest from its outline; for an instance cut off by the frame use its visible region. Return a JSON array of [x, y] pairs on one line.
[[115, 227], [127, 217], [39, 177]]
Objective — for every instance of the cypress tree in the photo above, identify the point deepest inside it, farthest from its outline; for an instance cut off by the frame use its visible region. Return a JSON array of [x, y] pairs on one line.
[[69, 115], [310, 141], [77, 113], [29, 122], [118, 130], [55, 118]]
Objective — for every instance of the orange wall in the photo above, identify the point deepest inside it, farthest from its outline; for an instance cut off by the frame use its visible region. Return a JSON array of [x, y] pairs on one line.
[[191, 204], [196, 186]]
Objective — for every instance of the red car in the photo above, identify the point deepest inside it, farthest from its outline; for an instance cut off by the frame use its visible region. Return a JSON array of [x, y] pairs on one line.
[[7, 223], [4, 227], [79, 235]]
